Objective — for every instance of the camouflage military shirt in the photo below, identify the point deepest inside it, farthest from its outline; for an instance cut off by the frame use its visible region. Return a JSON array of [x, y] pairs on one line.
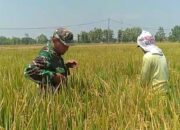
[[45, 66]]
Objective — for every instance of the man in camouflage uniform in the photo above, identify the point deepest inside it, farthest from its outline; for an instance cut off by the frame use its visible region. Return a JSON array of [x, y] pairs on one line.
[[48, 68]]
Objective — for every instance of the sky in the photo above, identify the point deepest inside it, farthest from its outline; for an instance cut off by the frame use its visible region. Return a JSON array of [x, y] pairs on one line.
[[34, 17]]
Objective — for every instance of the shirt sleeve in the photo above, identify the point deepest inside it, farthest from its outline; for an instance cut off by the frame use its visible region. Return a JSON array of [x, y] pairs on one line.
[[146, 71], [40, 65]]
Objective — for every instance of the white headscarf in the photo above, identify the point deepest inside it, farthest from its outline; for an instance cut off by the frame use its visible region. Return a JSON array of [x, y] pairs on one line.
[[147, 42]]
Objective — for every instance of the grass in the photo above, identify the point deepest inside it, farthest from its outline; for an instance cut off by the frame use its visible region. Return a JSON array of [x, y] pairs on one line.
[[103, 93]]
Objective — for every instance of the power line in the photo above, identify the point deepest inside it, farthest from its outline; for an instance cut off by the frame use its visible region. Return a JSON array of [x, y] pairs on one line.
[[116, 21], [144, 27], [82, 24], [50, 27], [120, 22]]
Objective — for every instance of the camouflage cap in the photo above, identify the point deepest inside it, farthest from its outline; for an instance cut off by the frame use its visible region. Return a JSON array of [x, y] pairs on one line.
[[64, 35]]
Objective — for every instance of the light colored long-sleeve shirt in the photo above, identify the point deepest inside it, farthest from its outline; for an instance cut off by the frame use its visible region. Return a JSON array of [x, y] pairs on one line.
[[154, 71]]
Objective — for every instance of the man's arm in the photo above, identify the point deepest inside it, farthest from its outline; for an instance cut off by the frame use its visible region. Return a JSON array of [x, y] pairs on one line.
[[146, 71], [56, 76], [38, 68]]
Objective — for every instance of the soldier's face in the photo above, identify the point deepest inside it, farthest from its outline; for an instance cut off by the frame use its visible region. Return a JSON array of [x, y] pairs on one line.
[[60, 48]]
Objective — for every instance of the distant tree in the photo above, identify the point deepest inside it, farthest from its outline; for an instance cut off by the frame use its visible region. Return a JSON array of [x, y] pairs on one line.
[[120, 35], [16, 40], [108, 35], [131, 34], [171, 37], [28, 40], [83, 37], [127, 35], [160, 35], [42, 39], [136, 31], [78, 38], [4, 40], [96, 35], [175, 34], [92, 36]]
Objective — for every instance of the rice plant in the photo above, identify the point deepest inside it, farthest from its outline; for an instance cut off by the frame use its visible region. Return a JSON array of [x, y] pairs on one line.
[[103, 93]]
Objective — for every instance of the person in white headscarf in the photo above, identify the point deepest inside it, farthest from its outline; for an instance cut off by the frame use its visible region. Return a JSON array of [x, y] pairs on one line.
[[154, 67]]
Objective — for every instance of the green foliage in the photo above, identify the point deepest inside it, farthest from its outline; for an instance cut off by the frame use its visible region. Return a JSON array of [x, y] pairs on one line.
[[15, 40], [130, 34], [83, 37], [120, 35], [108, 35], [160, 35], [42, 39], [96, 35], [175, 34], [4, 40]]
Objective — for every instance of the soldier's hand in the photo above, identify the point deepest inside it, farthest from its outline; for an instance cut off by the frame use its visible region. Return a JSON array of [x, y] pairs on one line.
[[59, 79], [71, 64], [40, 62]]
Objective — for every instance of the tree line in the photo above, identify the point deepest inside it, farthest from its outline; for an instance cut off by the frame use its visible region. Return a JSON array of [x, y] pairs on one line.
[[98, 35], [41, 39]]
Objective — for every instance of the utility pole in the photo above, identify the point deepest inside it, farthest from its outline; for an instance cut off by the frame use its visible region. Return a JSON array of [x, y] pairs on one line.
[[108, 29]]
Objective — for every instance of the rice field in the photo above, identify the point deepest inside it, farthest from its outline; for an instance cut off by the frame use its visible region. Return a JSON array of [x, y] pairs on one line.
[[103, 93]]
